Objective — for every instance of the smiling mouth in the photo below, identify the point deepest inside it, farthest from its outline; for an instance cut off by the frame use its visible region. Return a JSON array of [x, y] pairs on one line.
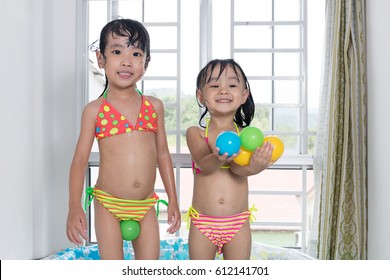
[[125, 74], [223, 101]]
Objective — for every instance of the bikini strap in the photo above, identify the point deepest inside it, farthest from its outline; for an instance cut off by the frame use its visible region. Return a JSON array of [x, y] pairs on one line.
[[88, 197], [191, 213], [251, 216], [158, 205], [105, 93], [238, 131], [206, 133]]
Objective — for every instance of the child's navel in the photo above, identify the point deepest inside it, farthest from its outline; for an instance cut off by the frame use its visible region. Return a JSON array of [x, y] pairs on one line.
[[136, 185]]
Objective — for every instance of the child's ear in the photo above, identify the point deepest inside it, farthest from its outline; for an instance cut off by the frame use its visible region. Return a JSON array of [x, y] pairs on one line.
[[245, 95], [100, 59], [199, 95]]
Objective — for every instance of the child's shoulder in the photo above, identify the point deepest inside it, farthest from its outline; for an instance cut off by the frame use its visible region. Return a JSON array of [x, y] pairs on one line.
[[156, 102], [93, 106], [152, 98], [195, 130]]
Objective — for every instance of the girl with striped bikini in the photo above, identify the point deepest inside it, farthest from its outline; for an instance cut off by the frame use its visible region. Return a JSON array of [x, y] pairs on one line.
[[219, 215]]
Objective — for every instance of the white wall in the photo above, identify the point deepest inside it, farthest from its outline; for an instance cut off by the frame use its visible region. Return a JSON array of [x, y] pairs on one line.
[[378, 73], [38, 124], [40, 99]]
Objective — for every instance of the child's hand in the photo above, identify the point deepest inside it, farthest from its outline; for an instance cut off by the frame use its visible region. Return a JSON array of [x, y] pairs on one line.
[[224, 157], [76, 226], [174, 217], [261, 157]]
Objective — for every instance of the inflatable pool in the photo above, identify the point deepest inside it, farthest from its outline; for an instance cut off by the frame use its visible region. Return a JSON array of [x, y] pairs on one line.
[[177, 249]]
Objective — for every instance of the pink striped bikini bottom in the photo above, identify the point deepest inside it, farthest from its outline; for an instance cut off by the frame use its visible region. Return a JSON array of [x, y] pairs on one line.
[[219, 229]]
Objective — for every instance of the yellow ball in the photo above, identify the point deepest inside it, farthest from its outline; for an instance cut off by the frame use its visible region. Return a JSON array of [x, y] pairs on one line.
[[278, 147], [243, 157]]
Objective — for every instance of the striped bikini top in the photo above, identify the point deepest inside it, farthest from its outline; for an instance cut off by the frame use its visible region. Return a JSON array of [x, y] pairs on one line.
[[195, 167], [110, 122]]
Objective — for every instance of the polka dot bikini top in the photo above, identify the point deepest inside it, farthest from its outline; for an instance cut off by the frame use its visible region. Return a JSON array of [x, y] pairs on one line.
[[110, 122]]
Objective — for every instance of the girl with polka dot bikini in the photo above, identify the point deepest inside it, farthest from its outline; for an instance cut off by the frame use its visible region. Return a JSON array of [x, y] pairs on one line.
[[130, 131]]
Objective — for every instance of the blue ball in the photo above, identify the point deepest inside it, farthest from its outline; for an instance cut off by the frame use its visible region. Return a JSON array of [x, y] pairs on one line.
[[228, 142]]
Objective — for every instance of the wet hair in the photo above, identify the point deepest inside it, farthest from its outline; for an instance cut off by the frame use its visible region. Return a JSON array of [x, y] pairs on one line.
[[137, 34], [245, 113]]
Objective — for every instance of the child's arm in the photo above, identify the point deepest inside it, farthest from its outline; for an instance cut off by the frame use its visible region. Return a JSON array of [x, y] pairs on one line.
[[207, 161], [165, 166], [260, 160], [76, 224]]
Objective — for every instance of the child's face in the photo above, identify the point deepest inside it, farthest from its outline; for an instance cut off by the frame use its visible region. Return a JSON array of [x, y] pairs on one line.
[[123, 64], [224, 94]]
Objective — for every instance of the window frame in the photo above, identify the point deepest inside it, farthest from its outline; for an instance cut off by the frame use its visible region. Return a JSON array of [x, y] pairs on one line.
[[303, 161]]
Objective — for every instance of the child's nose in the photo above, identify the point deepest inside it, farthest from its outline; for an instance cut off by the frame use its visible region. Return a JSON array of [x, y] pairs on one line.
[[223, 90], [127, 61]]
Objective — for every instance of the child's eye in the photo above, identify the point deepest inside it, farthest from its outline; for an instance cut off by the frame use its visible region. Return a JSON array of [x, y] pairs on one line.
[[233, 85], [137, 54], [116, 52]]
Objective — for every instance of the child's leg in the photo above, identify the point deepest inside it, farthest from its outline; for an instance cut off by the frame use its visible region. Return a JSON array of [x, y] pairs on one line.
[[108, 234], [199, 246], [147, 245], [239, 248]]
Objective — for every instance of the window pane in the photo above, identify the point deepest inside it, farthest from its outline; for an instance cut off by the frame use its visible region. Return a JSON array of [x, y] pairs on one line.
[[286, 119], [162, 64], [221, 29], [130, 9], [172, 143], [287, 36], [247, 37], [287, 64], [286, 10], [276, 235], [97, 19], [262, 119], [189, 111], [287, 91], [164, 37], [170, 118], [261, 91], [253, 10], [291, 144], [277, 208], [279, 180], [160, 11], [189, 49], [255, 64], [165, 90]]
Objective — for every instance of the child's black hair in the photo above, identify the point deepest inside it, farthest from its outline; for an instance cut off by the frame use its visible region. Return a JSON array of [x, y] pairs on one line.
[[134, 30], [245, 113]]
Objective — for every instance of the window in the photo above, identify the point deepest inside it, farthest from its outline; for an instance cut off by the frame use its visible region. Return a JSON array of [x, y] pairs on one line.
[[278, 43]]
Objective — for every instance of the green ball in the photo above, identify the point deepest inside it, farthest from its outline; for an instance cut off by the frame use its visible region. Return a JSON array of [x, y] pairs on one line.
[[251, 137], [130, 229]]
